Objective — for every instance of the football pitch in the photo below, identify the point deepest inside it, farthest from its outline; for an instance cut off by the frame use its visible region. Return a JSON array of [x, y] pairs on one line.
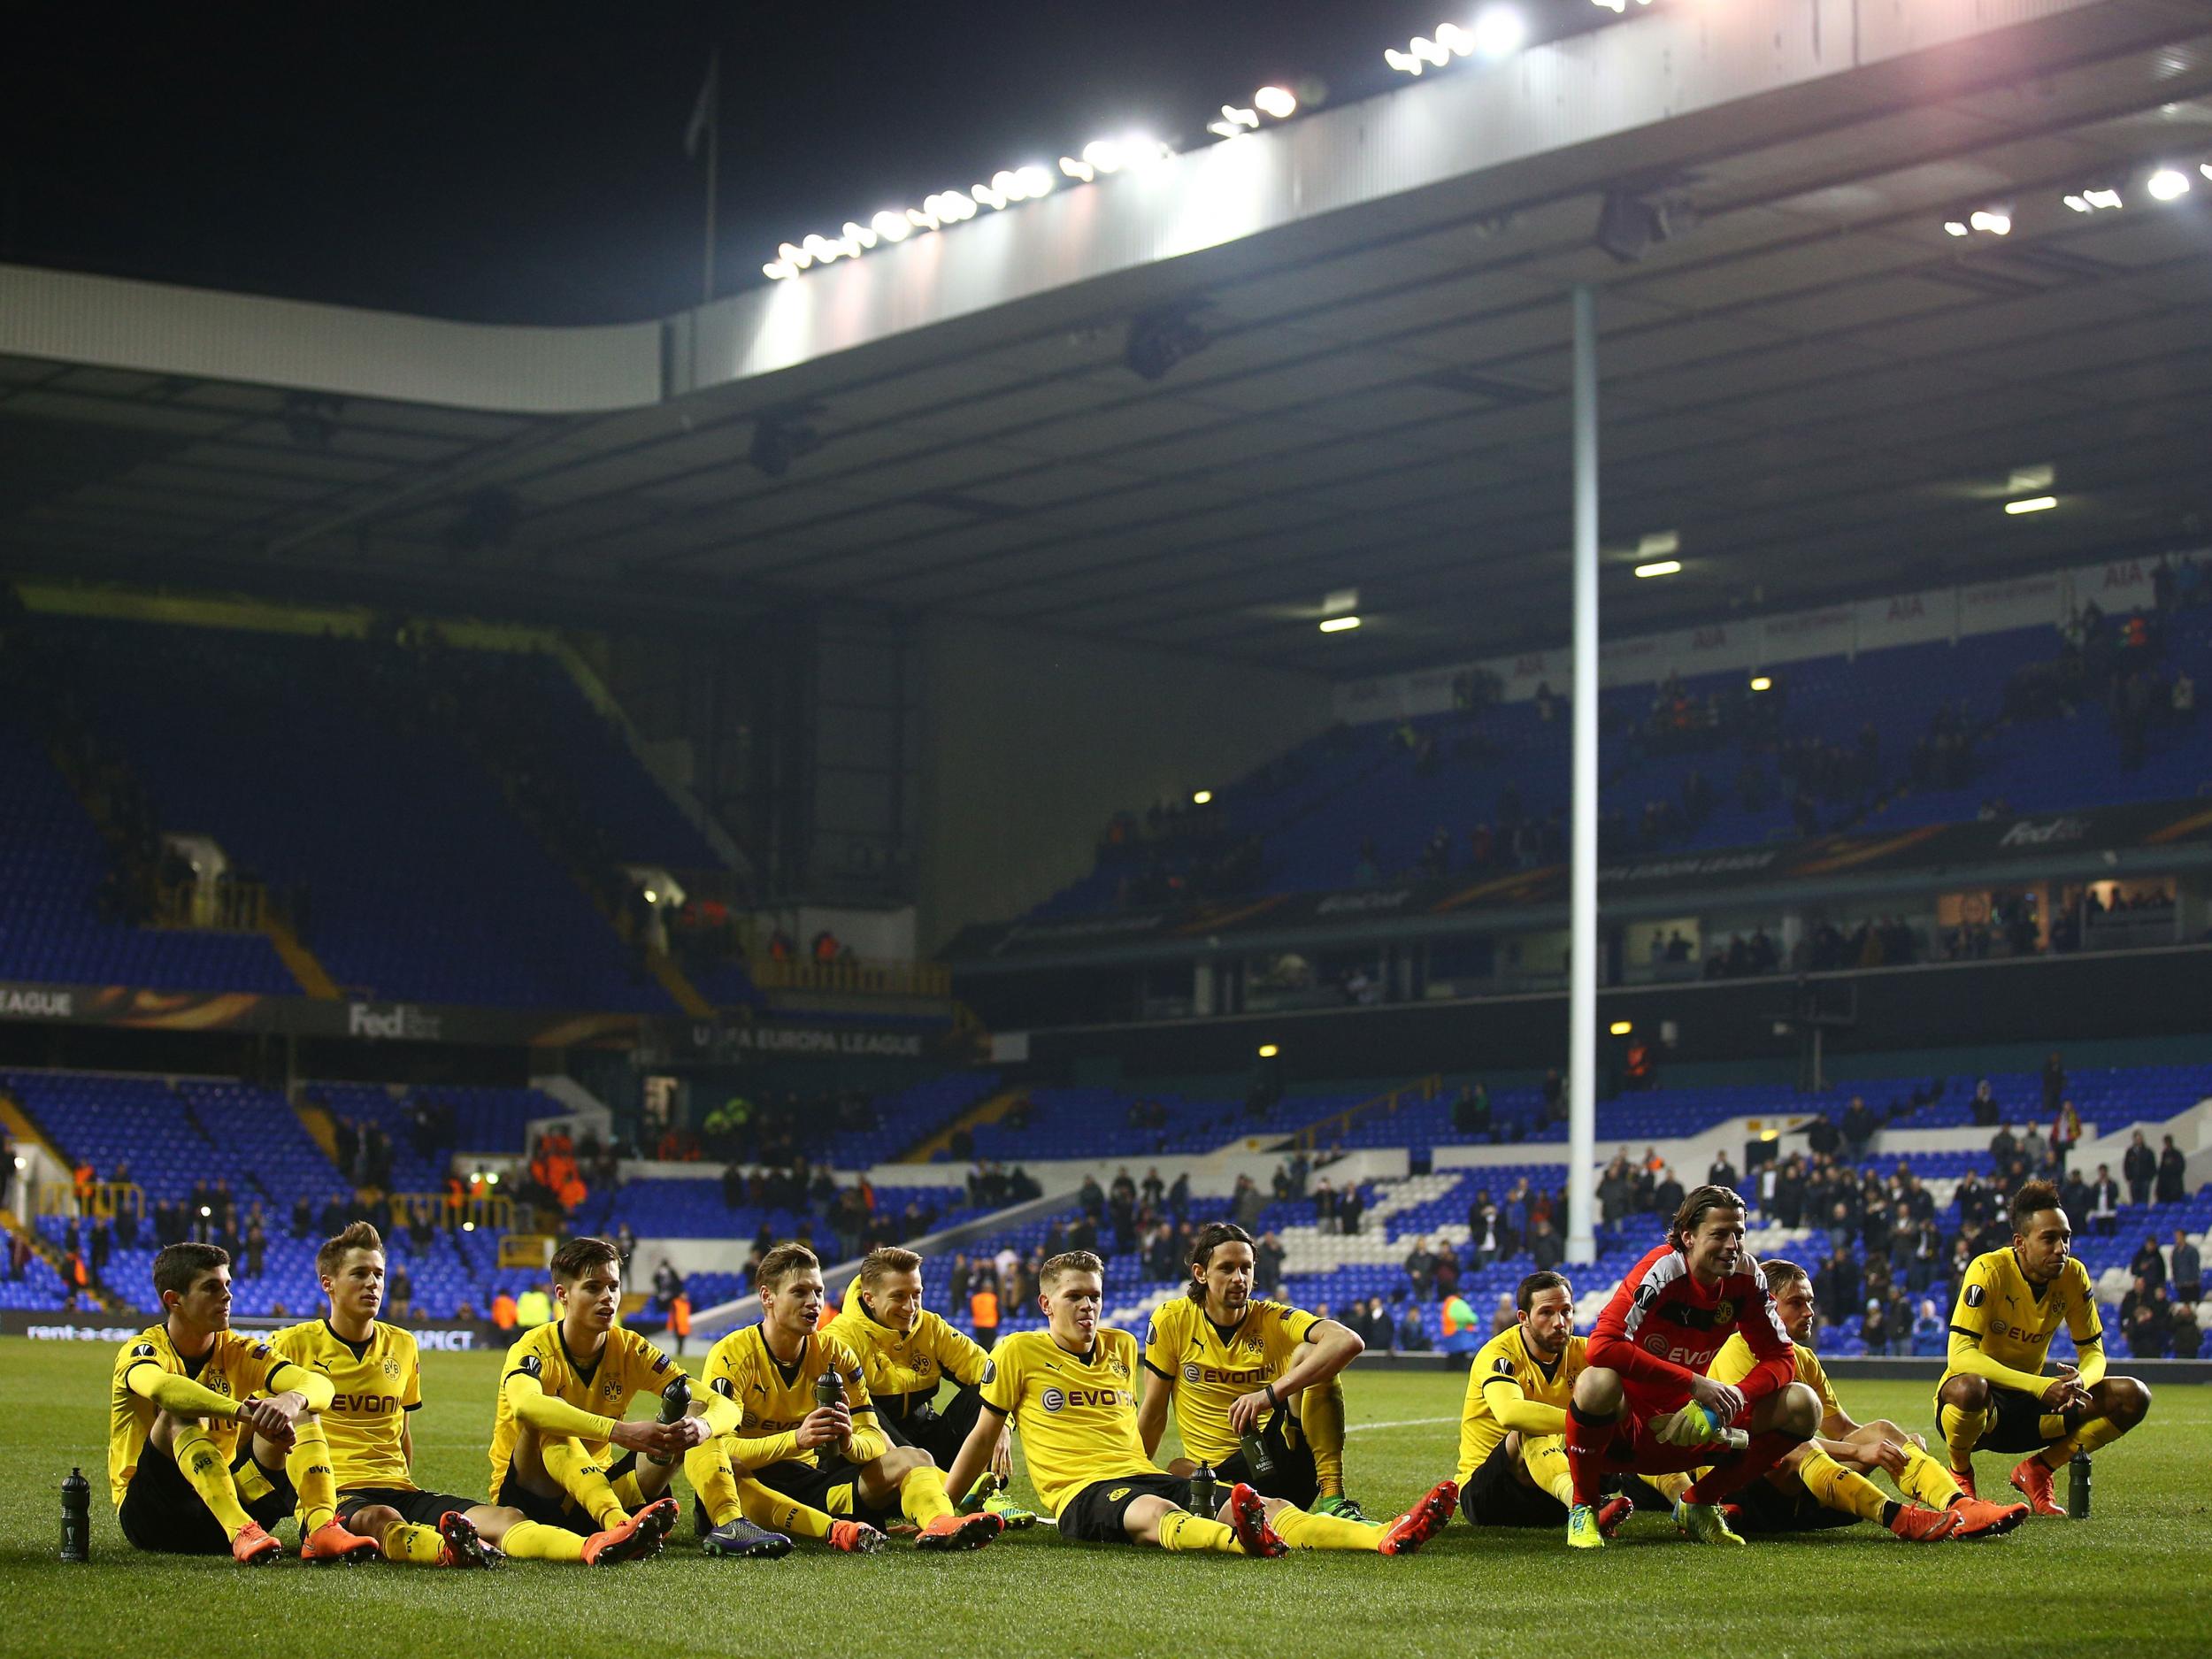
[[2131, 1576]]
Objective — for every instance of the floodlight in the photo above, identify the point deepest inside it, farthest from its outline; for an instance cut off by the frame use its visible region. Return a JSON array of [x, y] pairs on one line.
[[1660, 567], [1277, 102], [1500, 32], [2033, 504], [1761, 683], [2168, 184], [1203, 797], [1338, 625], [1621, 1027]]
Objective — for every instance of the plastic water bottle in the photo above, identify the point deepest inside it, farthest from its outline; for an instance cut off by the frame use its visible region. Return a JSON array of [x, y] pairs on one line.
[[675, 1406], [829, 1389], [1257, 1459], [1205, 1492], [76, 1517], [2078, 1487]]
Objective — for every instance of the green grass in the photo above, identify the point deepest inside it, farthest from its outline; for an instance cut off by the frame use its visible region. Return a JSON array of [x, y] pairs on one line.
[[2133, 1573]]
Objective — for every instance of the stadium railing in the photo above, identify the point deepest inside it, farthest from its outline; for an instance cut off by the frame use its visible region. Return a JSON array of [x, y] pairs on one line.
[[106, 1200], [1338, 1125], [855, 978]]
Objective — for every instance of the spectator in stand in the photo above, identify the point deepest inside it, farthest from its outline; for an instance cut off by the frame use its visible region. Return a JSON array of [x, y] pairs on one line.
[[1413, 1330], [1859, 1125], [1544, 1246], [1555, 1096], [1471, 1112], [2054, 1082], [2184, 1336], [2186, 1269], [1420, 1267], [1504, 1316], [2004, 1146], [2173, 1174], [1267, 1264], [2104, 1209], [1667, 1195], [2149, 1323], [2065, 1131], [1840, 1283], [2148, 1265], [1930, 1338], [1723, 1173], [1984, 1105], [983, 1309], [2138, 1167]]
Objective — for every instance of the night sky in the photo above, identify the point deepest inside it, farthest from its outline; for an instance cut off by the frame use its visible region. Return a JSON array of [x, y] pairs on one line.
[[526, 164]]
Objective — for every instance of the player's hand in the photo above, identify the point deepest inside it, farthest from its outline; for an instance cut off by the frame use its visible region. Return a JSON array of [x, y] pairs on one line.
[[824, 1425], [1689, 1426], [1887, 1455], [267, 1420], [2065, 1391], [1003, 1456], [1182, 1468], [654, 1439], [1724, 1400], [1248, 1409], [692, 1431]]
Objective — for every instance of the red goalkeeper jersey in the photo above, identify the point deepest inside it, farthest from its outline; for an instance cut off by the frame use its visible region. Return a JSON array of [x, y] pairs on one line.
[[1661, 1327]]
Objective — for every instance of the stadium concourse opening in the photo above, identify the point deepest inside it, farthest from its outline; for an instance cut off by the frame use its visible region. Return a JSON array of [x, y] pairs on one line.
[[1468, 820]]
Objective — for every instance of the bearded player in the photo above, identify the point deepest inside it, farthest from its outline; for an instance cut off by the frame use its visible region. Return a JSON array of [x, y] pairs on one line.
[[1993, 1395], [1513, 1469], [1071, 1388], [1645, 1403], [1828, 1481], [1233, 1366]]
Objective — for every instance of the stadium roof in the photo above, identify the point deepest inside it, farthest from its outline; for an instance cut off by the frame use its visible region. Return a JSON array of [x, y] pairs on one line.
[[1817, 386]]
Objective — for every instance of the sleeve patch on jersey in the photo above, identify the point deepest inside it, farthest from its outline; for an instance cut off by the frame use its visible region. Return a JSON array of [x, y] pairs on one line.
[[1975, 1295], [660, 1363], [531, 1366], [145, 1350], [1505, 1367], [1646, 1293], [990, 1373], [724, 1386]]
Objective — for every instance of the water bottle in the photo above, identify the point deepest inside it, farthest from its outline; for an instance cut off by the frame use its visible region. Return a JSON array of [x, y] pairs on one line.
[[1257, 1459], [675, 1406], [1205, 1492], [2078, 1487], [829, 1389], [76, 1517]]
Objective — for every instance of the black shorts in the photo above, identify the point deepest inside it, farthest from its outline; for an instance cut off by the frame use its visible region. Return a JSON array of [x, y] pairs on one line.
[[423, 1508], [2018, 1426], [562, 1511], [832, 1485], [1496, 1497], [1764, 1507], [913, 1420], [1094, 1515], [1294, 1480], [163, 1512]]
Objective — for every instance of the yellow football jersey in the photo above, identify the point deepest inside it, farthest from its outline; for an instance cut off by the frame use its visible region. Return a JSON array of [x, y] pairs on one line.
[[627, 1366], [1209, 1366], [1077, 1412], [377, 1381], [903, 1368], [1736, 1361], [237, 1366], [776, 1398], [1505, 1371], [2013, 1322]]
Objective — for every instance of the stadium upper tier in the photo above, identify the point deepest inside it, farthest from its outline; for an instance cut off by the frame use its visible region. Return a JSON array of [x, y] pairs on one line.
[[1896, 738], [354, 779]]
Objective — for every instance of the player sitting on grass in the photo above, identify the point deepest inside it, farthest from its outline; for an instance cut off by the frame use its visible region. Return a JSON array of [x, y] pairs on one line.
[[1824, 1482], [905, 1352], [1233, 1366], [562, 1394], [181, 1390], [1993, 1395], [1071, 1391], [1513, 1466], [378, 1375], [1644, 1403], [830, 1460]]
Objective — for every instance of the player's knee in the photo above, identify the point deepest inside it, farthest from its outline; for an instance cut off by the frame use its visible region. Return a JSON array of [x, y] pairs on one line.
[[1598, 1391], [374, 1520], [2127, 1402], [1967, 1392], [1886, 1430], [1798, 1411]]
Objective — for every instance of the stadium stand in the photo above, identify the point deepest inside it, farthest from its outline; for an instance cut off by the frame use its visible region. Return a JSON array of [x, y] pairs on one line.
[[1897, 738]]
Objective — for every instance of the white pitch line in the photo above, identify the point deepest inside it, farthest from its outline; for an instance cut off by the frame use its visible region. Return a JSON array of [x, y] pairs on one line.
[[1400, 1423]]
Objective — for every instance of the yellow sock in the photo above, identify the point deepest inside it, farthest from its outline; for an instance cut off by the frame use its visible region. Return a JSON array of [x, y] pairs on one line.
[[1302, 1531], [1674, 1484], [583, 1478], [308, 1464], [1181, 1530], [1321, 1415], [1962, 1431], [627, 1492], [1835, 1488], [765, 1507], [202, 1462], [414, 1545], [922, 1495], [2051, 1425], [2095, 1432], [708, 1467], [1927, 1482], [1546, 1461], [533, 1541]]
